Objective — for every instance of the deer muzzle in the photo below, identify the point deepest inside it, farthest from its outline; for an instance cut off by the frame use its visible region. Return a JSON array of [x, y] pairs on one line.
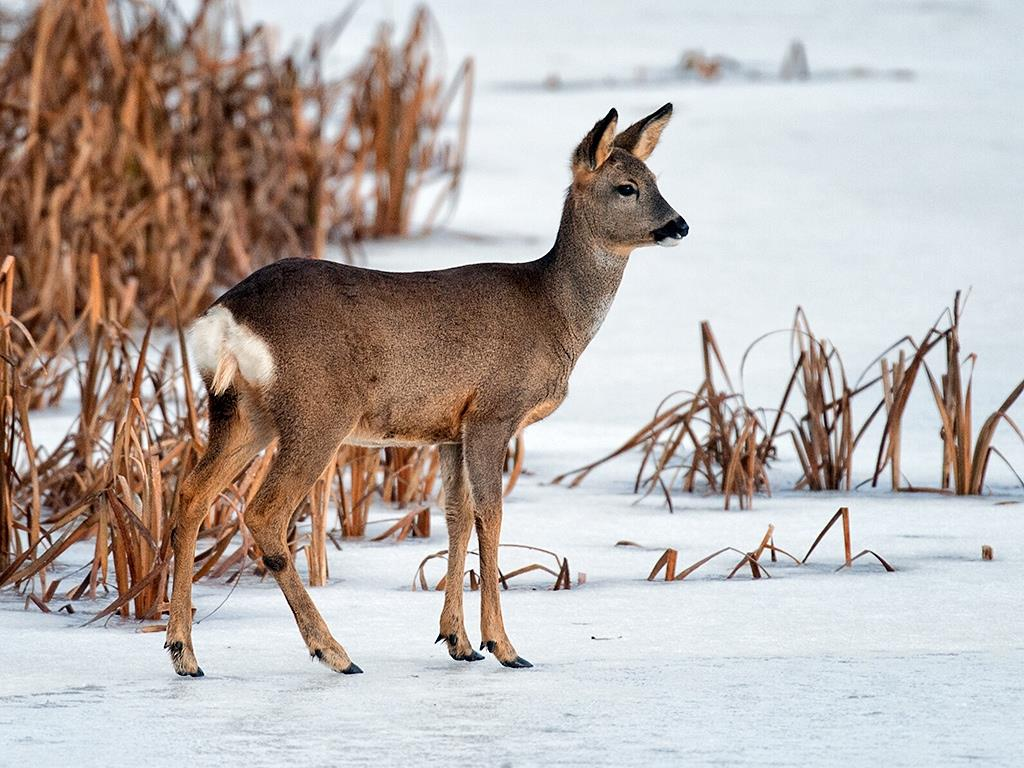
[[671, 233]]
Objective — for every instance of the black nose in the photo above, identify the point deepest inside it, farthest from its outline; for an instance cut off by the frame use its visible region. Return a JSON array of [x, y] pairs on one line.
[[676, 229]]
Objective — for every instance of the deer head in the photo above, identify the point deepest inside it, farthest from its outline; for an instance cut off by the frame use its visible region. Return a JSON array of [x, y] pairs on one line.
[[614, 194]]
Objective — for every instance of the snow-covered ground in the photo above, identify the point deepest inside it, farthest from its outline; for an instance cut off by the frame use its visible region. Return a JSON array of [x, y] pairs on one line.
[[868, 202]]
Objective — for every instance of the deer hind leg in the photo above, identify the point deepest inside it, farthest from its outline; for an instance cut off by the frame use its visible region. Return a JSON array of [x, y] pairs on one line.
[[299, 462], [484, 447], [234, 441], [458, 513]]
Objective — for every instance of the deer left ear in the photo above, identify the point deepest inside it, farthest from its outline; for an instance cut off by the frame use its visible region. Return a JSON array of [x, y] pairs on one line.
[[596, 145], [641, 137]]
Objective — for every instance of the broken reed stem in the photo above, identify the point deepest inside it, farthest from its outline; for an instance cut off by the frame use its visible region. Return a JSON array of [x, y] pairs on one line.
[[965, 456], [753, 559], [560, 571]]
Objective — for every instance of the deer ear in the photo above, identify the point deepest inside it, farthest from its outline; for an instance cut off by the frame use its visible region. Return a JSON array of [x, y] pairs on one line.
[[641, 137], [596, 145]]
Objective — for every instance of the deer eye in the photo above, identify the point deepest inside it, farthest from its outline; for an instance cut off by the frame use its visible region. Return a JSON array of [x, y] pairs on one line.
[[626, 190]]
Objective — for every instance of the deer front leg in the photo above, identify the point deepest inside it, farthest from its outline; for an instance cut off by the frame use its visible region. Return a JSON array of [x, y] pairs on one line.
[[459, 517], [484, 447]]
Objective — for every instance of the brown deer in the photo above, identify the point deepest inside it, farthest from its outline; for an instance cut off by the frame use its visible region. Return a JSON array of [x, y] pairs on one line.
[[316, 354]]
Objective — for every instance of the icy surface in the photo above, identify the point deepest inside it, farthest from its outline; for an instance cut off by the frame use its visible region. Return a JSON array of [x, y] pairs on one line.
[[868, 203]]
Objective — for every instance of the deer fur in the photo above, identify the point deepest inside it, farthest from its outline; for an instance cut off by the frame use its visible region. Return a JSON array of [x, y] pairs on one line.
[[315, 354]]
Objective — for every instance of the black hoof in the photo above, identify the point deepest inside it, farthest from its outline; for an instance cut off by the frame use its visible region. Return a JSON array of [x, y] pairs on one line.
[[517, 663], [351, 669], [197, 673], [473, 656]]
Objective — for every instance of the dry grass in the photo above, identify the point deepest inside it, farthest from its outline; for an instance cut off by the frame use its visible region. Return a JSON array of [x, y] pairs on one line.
[[965, 454], [559, 571], [752, 559], [397, 111], [145, 160], [714, 440], [823, 437], [707, 438], [184, 152]]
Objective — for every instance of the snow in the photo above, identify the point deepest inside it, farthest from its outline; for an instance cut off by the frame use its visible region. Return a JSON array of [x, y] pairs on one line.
[[867, 202]]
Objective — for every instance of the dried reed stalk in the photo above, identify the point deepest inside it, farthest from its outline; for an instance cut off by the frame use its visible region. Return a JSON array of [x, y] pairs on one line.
[[965, 456], [667, 561], [560, 572], [398, 111], [709, 435], [824, 437]]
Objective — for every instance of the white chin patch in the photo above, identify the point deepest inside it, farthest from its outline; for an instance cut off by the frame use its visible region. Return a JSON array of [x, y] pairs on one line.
[[669, 242]]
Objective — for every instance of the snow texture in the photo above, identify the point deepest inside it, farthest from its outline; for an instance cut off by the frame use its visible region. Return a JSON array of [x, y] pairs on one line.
[[868, 202]]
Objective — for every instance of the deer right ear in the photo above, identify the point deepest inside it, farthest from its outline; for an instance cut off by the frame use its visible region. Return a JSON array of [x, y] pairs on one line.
[[596, 145]]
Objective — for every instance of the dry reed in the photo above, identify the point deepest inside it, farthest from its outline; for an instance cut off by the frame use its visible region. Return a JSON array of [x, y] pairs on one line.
[[184, 152], [714, 440], [965, 454], [709, 435], [145, 160], [560, 571], [752, 559]]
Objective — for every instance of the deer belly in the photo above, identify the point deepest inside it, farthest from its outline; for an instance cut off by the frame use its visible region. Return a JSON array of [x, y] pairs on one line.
[[540, 411], [411, 424]]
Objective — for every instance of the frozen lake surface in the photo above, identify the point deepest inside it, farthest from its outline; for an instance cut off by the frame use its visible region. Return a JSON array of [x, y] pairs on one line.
[[867, 202]]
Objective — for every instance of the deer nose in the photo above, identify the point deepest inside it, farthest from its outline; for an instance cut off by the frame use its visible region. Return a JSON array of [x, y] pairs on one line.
[[670, 234]]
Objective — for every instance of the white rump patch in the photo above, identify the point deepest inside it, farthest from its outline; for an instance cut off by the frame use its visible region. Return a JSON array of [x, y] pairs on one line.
[[222, 347]]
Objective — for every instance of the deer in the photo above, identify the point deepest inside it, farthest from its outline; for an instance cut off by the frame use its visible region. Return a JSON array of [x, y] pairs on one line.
[[315, 354]]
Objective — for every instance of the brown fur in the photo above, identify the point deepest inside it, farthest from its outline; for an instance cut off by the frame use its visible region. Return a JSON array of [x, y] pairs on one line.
[[460, 357]]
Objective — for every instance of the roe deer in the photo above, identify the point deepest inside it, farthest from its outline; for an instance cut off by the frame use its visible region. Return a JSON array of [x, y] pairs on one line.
[[316, 354]]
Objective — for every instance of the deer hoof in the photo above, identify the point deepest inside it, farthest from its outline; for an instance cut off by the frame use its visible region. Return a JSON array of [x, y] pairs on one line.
[[183, 659], [517, 663], [457, 650], [338, 661]]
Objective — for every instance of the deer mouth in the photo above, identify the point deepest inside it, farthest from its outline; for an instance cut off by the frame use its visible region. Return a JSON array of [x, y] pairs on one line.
[[670, 234]]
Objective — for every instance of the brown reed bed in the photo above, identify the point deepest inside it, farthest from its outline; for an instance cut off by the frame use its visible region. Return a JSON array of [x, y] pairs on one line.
[[966, 455], [713, 440], [146, 160], [184, 151], [707, 438]]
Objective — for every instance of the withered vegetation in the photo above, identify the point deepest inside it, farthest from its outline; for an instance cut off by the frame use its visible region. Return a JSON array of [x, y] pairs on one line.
[[147, 160], [713, 440], [184, 151]]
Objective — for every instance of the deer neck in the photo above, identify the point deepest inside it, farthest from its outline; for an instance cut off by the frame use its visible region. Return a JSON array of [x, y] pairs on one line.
[[581, 278]]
